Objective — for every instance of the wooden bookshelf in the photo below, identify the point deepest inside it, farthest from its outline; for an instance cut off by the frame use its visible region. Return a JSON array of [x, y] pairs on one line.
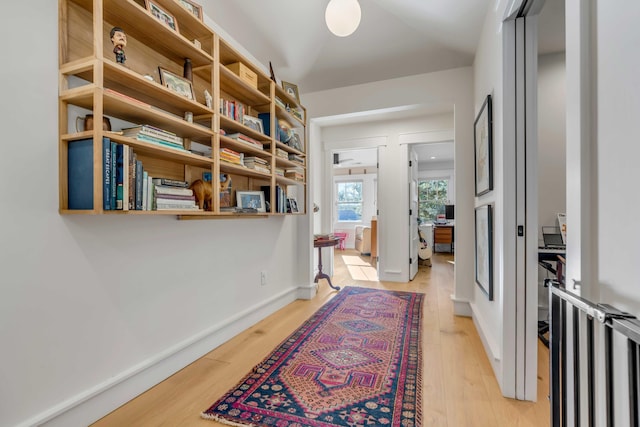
[[133, 94]]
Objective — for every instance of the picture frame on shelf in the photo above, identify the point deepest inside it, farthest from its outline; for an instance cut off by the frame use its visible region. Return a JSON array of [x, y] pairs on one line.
[[483, 148], [161, 15], [253, 123], [194, 8], [296, 141], [292, 205], [176, 83], [251, 199], [484, 249], [291, 90]]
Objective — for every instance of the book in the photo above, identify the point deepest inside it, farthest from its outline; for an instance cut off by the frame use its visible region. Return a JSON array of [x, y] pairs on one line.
[[163, 189], [132, 179], [119, 175], [126, 165], [138, 178], [170, 182], [175, 197], [145, 189], [153, 132], [247, 139], [150, 193], [158, 141], [107, 178], [80, 174], [114, 185], [160, 200]]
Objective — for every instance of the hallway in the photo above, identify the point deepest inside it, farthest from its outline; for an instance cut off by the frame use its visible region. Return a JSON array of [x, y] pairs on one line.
[[459, 388]]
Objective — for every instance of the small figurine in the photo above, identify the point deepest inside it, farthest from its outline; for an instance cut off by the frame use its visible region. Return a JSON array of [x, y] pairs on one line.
[[119, 40]]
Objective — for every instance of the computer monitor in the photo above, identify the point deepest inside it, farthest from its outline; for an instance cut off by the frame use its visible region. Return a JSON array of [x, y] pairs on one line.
[[449, 212]]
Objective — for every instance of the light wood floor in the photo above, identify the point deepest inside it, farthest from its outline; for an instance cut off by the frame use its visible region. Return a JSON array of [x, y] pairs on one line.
[[460, 389]]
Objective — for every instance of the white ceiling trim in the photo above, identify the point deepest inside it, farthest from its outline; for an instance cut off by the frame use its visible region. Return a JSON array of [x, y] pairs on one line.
[[426, 137]]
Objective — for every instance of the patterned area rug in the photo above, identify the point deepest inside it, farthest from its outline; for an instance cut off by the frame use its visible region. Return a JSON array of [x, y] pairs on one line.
[[355, 362]]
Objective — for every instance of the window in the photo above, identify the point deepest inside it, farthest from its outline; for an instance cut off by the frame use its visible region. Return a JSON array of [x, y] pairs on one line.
[[349, 200], [432, 196]]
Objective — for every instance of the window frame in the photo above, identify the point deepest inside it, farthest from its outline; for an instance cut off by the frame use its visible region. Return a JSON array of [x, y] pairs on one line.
[[337, 203]]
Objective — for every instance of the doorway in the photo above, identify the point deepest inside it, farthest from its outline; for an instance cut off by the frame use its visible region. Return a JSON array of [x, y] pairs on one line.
[[354, 201]]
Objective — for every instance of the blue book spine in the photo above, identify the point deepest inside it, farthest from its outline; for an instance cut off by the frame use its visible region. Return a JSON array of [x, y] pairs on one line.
[[106, 174], [114, 185], [80, 174], [119, 175], [139, 175]]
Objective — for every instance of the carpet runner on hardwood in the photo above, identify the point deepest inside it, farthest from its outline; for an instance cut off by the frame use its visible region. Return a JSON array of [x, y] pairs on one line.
[[355, 362]]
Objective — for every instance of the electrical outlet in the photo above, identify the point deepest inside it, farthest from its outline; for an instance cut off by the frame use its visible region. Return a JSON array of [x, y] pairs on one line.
[[263, 278]]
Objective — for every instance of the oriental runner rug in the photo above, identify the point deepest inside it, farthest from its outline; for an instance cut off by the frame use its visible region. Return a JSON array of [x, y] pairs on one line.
[[355, 362]]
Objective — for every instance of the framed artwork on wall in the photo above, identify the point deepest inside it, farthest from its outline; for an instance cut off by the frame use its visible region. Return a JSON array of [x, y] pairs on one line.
[[483, 148], [484, 249]]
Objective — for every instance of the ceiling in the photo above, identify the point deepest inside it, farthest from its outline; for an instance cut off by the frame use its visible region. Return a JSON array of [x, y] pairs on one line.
[[396, 38]]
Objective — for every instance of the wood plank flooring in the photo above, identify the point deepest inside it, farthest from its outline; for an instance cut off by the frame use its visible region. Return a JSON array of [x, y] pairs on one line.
[[459, 388]]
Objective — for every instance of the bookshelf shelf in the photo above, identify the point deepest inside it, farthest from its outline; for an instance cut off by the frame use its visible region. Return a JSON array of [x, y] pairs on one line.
[[166, 143]]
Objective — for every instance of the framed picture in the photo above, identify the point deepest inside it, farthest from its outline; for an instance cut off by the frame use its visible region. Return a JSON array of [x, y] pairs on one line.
[[161, 14], [296, 141], [292, 205], [291, 89], [192, 7], [253, 123], [176, 83], [251, 199], [484, 250], [483, 146]]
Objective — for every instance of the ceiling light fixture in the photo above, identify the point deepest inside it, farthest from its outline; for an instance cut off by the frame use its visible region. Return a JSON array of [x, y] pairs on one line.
[[343, 17]]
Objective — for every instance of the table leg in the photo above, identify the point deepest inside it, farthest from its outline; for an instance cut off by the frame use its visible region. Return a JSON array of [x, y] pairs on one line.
[[322, 275]]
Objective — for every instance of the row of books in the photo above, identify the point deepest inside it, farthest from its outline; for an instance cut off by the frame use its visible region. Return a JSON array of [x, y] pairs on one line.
[[125, 184], [154, 135], [278, 205], [233, 109]]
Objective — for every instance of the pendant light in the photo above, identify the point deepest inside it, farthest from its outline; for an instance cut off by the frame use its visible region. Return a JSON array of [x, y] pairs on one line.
[[343, 17]]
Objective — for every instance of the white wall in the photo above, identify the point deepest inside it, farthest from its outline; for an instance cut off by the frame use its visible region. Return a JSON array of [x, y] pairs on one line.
[[96, 309], [447, 90], [552, 116], [489, 315]]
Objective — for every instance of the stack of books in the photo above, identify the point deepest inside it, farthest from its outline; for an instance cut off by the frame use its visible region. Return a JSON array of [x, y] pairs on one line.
[[296, 158], [246, 139], [228, 155], [282, 153], [257, 163], [279, 171], [154, 135], [296, 174], [170, 197]]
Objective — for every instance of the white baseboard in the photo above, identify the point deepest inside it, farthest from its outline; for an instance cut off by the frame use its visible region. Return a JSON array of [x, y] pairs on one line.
[[461, 307], [94, 403], [492, 349]]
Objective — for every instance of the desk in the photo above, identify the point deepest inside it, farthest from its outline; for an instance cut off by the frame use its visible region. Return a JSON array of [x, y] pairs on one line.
[[550, 254], [324, 243], [443, 234]]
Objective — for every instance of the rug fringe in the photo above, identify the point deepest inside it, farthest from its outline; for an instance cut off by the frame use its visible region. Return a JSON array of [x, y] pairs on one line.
[[219, 419]]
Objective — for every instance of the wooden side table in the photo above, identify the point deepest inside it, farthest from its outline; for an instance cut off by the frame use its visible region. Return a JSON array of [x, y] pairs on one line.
[[324, 243]]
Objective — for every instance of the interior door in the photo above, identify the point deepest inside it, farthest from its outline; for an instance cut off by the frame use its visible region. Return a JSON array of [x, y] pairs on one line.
[[414, 239]]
